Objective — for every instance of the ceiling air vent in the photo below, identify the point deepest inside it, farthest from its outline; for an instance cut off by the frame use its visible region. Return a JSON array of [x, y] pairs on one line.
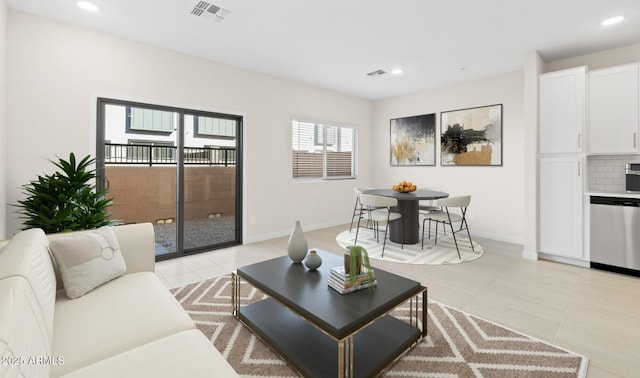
[[377, 73], [209, 11]]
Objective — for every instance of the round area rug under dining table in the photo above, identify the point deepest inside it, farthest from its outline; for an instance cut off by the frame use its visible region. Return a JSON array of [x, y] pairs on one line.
[[433, 254]]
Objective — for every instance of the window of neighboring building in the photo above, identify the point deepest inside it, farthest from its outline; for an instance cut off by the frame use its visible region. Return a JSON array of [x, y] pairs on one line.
[[320, 132], [209, 127], [150, 120], [323, 151]]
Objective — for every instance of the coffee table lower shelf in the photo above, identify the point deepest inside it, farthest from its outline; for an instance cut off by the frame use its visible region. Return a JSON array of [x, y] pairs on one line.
[[315, 354]]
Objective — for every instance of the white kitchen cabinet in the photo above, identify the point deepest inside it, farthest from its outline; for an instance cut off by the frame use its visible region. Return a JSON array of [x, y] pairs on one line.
[[614, 101], [560, 207], [561, 101]]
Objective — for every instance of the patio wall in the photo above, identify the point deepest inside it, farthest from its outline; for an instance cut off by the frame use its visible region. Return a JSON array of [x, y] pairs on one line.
[[148, 194]]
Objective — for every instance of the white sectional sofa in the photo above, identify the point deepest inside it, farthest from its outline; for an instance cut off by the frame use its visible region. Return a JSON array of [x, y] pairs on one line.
[[130, 326]]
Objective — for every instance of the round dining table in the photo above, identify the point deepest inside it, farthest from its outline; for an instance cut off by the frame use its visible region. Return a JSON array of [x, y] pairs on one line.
[[407, 229]]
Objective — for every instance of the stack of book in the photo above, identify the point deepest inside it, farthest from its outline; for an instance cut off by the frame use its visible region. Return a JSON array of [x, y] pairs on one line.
[[341, 282]]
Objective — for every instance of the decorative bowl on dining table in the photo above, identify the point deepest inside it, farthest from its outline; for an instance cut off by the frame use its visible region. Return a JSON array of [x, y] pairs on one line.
[[405, 187]]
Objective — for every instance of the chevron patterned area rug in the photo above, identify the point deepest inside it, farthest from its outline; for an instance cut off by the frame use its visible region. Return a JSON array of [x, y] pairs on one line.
[[433, 254], [458, 344]]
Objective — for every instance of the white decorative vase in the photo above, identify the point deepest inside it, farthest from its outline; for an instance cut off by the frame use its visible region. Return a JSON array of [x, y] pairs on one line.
[[297, 247]]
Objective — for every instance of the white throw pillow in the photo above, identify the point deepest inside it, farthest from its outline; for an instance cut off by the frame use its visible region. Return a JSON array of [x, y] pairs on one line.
[[88, 260]]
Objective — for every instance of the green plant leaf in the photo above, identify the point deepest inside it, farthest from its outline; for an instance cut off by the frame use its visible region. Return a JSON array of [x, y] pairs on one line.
[[66, 200]]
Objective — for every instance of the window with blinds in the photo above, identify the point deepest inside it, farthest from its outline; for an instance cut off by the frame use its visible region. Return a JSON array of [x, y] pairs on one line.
[[322, 151]]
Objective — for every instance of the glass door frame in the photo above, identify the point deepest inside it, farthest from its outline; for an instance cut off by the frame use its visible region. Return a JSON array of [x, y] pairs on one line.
[[180, 173]]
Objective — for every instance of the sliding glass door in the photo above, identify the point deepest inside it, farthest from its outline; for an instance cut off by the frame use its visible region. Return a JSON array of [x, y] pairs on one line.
[[178, 169]]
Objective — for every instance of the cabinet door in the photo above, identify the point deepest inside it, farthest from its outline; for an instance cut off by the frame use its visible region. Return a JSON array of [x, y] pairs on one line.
[[613, 110], [560, 213], [562, 110]]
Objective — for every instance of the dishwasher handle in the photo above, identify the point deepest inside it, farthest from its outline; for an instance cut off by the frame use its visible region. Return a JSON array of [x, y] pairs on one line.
[[615, 201]]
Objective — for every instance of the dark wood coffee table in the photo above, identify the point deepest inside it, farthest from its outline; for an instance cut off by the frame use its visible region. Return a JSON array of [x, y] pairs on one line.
[[322, 333]]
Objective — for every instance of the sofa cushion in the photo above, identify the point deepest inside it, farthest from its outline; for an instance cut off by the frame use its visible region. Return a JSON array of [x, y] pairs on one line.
[[88, 260], [122, 314], [186, 354], [137, 243]]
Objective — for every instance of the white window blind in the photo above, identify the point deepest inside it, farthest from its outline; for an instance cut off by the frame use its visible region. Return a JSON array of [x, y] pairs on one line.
[[322, 151]]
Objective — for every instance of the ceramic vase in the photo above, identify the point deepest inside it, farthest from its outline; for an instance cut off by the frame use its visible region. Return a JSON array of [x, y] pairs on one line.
[[313, 260], [297, 247]]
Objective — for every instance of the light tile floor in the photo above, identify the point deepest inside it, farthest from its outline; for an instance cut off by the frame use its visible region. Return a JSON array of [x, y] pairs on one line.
[[587, 311]]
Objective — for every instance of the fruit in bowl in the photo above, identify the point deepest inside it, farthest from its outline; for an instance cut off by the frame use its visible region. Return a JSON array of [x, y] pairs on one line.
[[404, 187]]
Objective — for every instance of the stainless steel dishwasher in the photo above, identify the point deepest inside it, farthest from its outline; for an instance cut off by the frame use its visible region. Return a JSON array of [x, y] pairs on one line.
[[615, 234]]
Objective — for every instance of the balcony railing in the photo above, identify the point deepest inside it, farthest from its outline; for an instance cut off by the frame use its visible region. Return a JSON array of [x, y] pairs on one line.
[[166, 155]]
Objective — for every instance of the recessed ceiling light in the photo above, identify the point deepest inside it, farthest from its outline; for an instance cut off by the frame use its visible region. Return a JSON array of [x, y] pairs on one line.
[[396, 71], [91, 7], [612, 20]]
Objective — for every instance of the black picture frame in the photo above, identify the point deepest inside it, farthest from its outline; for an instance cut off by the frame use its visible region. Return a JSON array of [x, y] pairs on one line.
[[471, 136], [413, 140]]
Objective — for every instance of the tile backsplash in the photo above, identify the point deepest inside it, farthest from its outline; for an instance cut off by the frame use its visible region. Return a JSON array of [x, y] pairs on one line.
[[606, 173]]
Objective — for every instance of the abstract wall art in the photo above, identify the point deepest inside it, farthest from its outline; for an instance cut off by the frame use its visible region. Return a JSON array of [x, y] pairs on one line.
[[413, 140], [471, 136]]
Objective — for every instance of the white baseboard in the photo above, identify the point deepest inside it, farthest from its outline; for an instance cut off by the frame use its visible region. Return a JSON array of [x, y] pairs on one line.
[[529, 255], [318, 226], [498, 237], [287, 232], [565, 260]]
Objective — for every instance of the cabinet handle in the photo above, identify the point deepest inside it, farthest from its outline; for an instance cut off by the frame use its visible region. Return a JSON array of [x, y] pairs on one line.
[[635, 140], [579, 169], [579, 141]]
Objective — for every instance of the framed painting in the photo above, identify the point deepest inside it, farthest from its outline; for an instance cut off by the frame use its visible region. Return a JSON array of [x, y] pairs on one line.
[[471, 136], [413, 140]]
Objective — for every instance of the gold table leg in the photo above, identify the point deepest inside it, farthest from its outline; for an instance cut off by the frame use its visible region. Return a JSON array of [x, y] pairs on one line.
[[345, 357], [418, 314], [424, 313], [235, 294]]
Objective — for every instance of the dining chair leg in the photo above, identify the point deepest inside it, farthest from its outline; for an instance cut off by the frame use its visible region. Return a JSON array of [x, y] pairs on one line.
[[470, 241], [454, 240], [423, 222], [355, 209], [355, 242], [384, 242]]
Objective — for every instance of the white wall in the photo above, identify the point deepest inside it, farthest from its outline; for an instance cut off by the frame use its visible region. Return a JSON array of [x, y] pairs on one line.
[[55, 72], [3, 118], [497, 200]]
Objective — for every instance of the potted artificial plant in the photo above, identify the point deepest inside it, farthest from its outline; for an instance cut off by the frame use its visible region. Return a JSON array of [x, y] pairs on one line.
[[67, 200], [356, 264]]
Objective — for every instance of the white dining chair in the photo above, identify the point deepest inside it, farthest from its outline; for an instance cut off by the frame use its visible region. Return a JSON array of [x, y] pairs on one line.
[[378, 209], [425, 206], [445, 216], [428, 205], [357, 208]]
